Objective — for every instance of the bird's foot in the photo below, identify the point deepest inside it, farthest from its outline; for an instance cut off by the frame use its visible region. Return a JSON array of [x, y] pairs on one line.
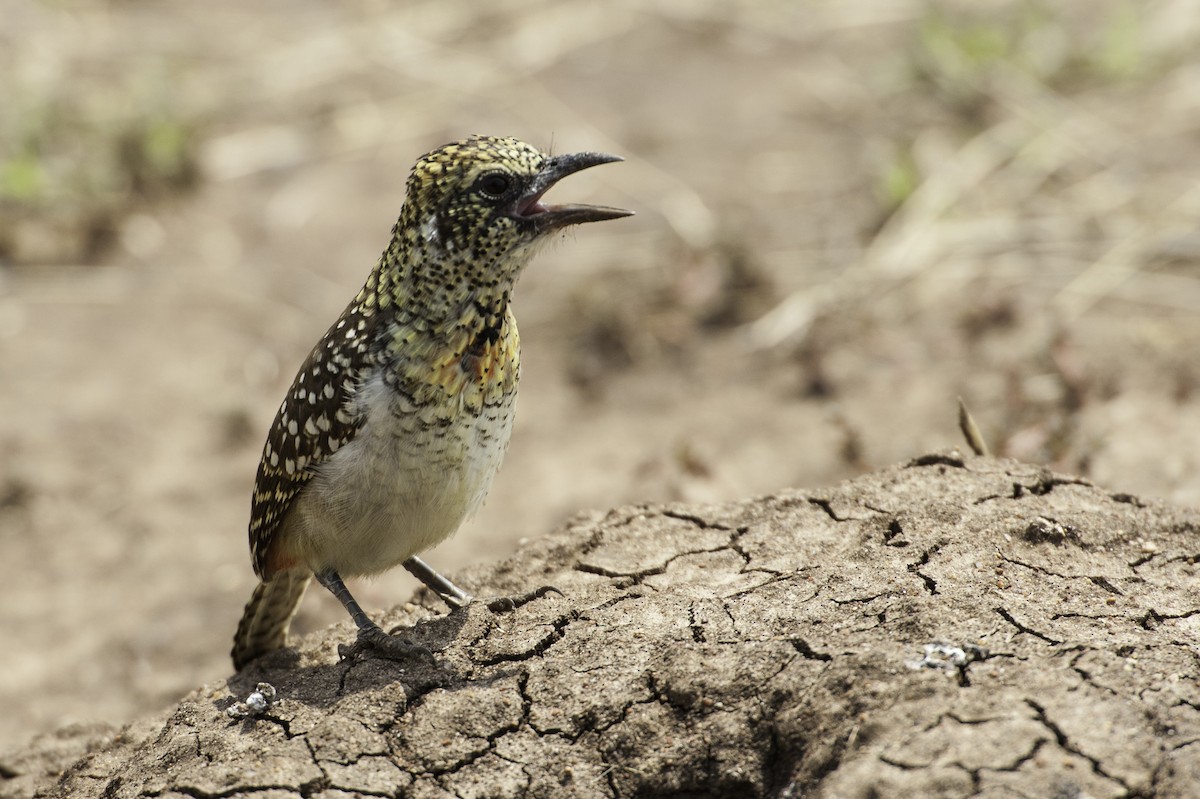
[[374, 640], [507, 604]]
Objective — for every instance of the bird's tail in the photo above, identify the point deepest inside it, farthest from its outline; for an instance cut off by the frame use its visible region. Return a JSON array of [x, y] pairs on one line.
[[268, 614]]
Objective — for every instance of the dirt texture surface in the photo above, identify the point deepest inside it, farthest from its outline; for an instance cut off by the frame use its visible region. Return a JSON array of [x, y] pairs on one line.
[[848, 215], [944, 628]]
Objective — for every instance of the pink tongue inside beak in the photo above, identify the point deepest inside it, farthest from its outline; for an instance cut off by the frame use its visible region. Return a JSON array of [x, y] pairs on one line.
[[533, 206]]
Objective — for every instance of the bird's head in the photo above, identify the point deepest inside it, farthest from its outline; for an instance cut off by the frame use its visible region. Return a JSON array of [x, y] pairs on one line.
[[478, 202]]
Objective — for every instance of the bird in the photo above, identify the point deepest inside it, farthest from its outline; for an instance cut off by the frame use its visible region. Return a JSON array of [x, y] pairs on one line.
[[397, 421]]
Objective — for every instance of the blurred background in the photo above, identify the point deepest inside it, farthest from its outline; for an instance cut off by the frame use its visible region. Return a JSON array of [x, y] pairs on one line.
[[850, 213]]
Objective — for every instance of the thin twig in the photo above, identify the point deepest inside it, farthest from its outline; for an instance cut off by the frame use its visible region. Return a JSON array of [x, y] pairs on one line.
[[970, 430]]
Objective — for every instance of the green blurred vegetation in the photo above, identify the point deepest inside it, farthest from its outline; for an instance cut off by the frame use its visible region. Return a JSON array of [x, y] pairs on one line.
[[959, 54], [77, 156], [963, 61]]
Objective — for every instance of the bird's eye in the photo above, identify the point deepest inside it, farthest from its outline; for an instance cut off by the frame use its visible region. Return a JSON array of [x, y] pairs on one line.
[[494, 185]]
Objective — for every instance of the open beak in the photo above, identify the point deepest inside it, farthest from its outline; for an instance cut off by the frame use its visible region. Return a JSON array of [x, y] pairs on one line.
[[546, 218]]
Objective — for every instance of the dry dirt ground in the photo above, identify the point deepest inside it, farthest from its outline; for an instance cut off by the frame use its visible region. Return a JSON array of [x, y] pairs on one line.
[[849, 214], [947, 628]]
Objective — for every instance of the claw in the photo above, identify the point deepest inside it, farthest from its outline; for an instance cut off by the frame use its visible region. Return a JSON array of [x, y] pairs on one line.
[[507, 604], [376, 641]]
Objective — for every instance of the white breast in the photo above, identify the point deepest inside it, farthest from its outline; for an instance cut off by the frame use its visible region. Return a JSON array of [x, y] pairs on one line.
[[405, 482]]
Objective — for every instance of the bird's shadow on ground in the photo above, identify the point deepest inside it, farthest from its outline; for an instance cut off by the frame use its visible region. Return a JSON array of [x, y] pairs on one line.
[[316, 675]]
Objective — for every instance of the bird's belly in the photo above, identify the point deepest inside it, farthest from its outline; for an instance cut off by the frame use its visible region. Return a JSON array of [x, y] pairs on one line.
[[405, 482]]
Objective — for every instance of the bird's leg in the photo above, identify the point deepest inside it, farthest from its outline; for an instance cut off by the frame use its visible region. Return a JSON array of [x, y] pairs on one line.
[[457, 598], [450, 593], [370, 635]]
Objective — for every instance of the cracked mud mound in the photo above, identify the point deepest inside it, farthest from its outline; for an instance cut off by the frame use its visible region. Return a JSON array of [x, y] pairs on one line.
[[947, 627]]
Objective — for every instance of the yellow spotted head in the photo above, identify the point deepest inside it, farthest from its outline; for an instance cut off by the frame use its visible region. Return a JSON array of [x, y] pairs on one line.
[[477, 203]]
